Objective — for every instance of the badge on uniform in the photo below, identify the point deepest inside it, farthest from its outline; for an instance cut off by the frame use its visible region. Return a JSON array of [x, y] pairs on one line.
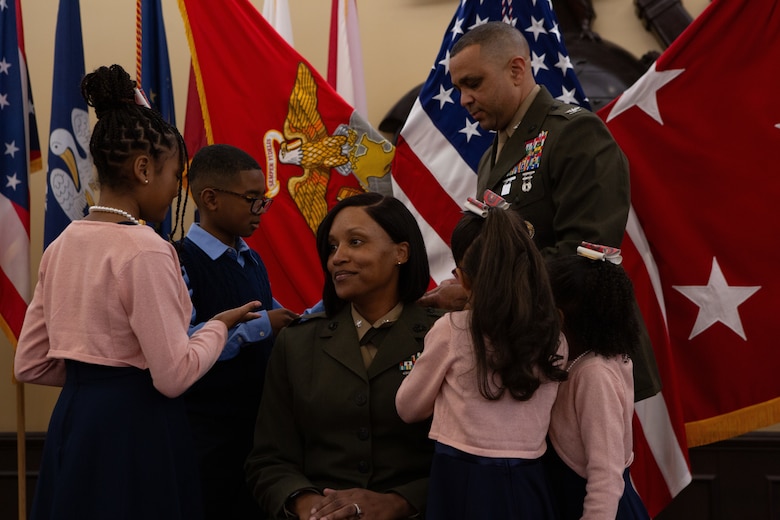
[[527, 165], [406, 366]]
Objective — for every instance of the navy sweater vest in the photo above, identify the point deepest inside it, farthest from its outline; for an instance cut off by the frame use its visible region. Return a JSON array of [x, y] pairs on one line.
[[232, 388]]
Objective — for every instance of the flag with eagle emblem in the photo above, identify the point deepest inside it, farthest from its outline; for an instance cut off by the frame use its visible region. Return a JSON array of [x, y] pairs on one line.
[[312, 145]]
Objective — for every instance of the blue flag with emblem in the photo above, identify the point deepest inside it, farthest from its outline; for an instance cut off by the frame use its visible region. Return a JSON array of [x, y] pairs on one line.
[[153, 72], [69, 181], [436, 158]]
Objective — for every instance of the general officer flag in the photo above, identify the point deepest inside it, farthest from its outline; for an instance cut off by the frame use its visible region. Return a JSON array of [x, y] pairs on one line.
[[709, 253]]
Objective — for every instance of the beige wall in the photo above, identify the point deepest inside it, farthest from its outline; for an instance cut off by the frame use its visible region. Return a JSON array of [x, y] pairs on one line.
[[400, 39]]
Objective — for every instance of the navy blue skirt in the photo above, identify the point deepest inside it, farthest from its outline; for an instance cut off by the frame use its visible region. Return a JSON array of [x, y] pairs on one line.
[[569, 491], [470, 487], [116, 448]]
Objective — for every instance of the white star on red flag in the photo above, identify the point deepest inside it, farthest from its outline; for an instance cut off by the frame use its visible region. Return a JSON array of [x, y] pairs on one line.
[[704, 190], [643, 93], [717, 302]]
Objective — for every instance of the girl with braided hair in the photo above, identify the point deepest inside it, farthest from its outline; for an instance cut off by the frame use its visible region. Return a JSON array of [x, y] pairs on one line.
[[489, 375], [108, 322], [590, 428]]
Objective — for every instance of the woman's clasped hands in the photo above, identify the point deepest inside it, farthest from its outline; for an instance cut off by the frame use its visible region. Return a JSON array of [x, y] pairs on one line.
[[353, 503]]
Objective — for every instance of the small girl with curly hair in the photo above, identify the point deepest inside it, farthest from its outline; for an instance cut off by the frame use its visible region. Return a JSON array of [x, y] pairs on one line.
[[489, 375], [590, 428]]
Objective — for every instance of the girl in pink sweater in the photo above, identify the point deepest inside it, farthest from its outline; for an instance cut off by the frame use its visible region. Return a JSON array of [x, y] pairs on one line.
[[590, 429], [108, 322], [489, 376]]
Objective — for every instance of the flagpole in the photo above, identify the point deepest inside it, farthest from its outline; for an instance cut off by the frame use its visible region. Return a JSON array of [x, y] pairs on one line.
[[21, 452]]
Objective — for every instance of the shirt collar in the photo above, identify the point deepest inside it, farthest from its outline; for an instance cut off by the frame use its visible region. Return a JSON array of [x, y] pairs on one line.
[[212, 246], [362, 325], [518, 117]]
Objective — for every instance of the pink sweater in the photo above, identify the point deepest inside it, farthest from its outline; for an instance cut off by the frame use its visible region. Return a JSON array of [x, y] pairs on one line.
[[443, 383], [591, 428], [113, 295]]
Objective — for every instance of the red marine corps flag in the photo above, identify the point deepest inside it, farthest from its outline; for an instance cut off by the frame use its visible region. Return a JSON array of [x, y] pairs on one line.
[[701, 243], [257, 93]]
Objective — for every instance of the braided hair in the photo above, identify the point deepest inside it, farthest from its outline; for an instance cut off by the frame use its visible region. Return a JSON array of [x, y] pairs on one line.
[[125, 129]]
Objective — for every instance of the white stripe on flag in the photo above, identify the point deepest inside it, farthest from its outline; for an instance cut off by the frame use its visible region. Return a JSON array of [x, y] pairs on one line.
[[14, 249], [437, 154], [637, 236], [657, 427], [439, 255], [277, 12]]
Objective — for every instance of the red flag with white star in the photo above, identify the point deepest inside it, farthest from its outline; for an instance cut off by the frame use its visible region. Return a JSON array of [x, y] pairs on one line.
[[701, 129]]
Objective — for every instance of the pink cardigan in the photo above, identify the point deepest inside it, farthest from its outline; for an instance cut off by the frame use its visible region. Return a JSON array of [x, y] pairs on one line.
[[591, 428], [443, 383], [112, 294]]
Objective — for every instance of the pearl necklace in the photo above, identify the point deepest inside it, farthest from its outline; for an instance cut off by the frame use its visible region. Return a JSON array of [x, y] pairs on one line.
[[577, 359], [115, 211]]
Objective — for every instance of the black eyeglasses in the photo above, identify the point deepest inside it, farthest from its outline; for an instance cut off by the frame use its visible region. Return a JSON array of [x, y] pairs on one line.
[[257, 205]]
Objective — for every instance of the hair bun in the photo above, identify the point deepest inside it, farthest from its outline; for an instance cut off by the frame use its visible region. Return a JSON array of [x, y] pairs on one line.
[[107, 89]]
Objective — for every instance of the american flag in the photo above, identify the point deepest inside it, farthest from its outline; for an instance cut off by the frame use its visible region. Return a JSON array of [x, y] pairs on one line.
[[18, 135], [440, 145], [434, 171]]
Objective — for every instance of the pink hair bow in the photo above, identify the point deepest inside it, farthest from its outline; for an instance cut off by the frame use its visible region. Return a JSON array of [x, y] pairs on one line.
[[491, 200], [599, 252]]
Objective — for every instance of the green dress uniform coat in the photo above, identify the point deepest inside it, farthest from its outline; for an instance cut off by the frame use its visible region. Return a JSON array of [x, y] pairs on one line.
[[564, 173], [327, 421]]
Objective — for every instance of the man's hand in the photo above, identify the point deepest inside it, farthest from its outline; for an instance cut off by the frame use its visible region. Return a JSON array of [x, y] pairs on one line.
[[449, 295]]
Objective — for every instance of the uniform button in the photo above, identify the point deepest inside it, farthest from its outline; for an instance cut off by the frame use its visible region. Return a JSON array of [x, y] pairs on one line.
[[363, 466], [332, 325], [363, 434], [360, 399], [419, 327]]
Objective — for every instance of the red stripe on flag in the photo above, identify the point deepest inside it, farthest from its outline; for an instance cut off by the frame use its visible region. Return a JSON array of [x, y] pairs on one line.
[[12, 306], [430, 199], [647, 477]]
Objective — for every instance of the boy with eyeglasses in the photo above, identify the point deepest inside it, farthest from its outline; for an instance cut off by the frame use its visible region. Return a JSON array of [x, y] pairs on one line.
[[219, 268]]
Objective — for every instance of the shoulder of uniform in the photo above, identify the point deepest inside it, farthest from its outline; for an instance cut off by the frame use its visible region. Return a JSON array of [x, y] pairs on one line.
[[424, 318], [307, 318], [434, 312], [568, 111]]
